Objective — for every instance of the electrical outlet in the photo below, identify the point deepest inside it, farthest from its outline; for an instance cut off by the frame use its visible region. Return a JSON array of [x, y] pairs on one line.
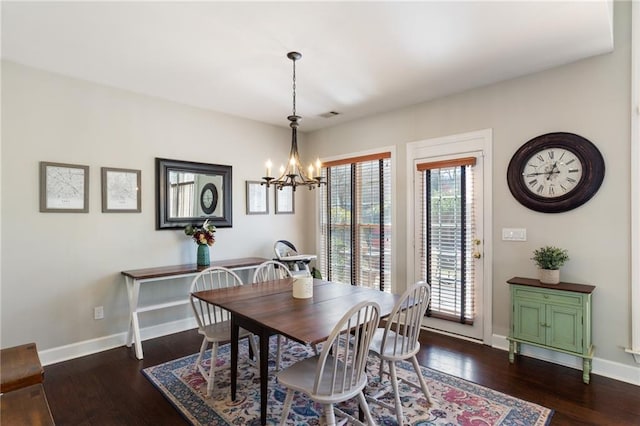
[[98, 312]]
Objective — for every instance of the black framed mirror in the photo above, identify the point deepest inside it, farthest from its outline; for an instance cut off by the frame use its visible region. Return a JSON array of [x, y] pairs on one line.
[[188, 193]]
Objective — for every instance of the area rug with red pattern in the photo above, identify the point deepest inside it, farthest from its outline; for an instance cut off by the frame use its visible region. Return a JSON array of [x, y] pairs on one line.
[[455, 401]]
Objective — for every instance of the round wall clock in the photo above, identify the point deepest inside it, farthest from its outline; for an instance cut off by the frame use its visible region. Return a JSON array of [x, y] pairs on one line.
[[555, 172], [209, 198]]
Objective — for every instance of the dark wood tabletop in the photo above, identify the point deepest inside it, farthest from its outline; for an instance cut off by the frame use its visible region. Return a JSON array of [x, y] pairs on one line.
[[269, 308], [307, 321]]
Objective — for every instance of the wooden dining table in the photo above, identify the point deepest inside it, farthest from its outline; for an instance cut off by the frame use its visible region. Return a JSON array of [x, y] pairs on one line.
[[269, 308]]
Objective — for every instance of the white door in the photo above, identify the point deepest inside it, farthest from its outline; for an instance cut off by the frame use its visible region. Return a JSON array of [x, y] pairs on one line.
[[449, 224]]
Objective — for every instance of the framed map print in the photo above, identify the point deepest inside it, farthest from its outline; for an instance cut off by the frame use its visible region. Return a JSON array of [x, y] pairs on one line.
[[64, 188], [284, 200], [257, 198], [121, 190]]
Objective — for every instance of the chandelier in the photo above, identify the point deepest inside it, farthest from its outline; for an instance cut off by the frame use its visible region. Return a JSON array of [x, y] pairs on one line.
[[293, 174]]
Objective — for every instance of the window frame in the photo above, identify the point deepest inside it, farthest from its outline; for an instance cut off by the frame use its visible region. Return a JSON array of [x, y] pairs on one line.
[[454, 145], [463, 311], [635, 183], [393, 272]]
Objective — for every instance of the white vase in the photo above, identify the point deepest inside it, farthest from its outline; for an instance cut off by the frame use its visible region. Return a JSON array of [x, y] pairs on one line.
[[303, 287], [549, 276]]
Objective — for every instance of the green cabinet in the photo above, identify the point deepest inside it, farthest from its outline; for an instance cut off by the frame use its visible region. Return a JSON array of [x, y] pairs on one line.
[[552, 316]]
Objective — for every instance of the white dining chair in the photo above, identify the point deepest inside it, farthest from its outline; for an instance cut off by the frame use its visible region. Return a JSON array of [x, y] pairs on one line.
[[269, 271], [398, 341], [214, 323], [338, 373]]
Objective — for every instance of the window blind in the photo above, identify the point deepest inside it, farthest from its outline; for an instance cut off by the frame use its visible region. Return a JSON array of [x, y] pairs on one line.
[[356, 221], [447, 237]]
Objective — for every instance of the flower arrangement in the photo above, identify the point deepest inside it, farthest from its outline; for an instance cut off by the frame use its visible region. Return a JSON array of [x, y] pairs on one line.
[[204, 235], [550, 257]]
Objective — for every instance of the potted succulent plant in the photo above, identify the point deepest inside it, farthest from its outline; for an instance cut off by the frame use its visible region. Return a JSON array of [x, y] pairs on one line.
[[549, 259]]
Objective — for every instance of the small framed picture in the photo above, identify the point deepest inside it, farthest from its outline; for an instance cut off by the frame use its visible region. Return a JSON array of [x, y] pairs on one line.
[[64, 188], [257, 198], [121, 190], [284, 200]]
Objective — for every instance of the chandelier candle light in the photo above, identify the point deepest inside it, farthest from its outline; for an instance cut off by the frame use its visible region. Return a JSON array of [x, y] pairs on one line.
[[294, 175]]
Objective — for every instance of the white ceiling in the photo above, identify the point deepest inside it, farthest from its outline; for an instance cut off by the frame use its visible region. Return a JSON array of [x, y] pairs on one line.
[[359, 58]]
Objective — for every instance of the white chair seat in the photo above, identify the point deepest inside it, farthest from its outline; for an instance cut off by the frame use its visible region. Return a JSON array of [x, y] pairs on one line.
[[389, 352], [221, 332], [301, 377]]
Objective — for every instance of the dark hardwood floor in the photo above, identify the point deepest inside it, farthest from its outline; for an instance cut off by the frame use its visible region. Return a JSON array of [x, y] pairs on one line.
[[108, 388]]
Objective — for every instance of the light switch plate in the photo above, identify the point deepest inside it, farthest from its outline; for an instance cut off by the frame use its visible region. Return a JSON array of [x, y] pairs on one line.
[[514, 234]]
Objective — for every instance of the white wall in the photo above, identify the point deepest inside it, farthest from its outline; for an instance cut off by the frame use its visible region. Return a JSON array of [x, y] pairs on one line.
[[57, 266], [590, 98]]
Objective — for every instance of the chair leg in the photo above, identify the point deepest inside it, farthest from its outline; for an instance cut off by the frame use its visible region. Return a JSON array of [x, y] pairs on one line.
[[396, 393], [365, 408], [423, 384], [381, 369], [203, 348], [286, 407], [329, 414], [212, 369], [254, 347], [279, 353]]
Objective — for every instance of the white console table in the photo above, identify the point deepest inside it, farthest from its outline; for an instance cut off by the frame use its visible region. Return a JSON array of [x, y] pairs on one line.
[[134, 278]]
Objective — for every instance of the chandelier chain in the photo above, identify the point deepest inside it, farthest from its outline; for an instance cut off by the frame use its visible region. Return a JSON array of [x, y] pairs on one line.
[[294, 87]]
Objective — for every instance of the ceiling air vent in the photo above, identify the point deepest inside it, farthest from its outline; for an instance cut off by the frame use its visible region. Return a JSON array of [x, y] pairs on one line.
[[329, 114]]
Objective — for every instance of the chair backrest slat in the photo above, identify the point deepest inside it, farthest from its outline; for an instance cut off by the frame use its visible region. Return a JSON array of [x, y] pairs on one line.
[[403, 325], [270, 270], [344, 354], [212, 278]]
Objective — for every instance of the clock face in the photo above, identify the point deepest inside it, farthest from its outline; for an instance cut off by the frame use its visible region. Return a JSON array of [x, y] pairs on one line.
[[555, 172], [209, 198], [552, 172]]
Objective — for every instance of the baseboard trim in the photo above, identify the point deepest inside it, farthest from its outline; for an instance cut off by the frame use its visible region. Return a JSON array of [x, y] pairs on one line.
[[613, 370], [92, 346], [447, 333]]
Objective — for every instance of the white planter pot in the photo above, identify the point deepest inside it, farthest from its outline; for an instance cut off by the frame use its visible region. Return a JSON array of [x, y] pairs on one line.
[[303, 287], [549, 276]]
